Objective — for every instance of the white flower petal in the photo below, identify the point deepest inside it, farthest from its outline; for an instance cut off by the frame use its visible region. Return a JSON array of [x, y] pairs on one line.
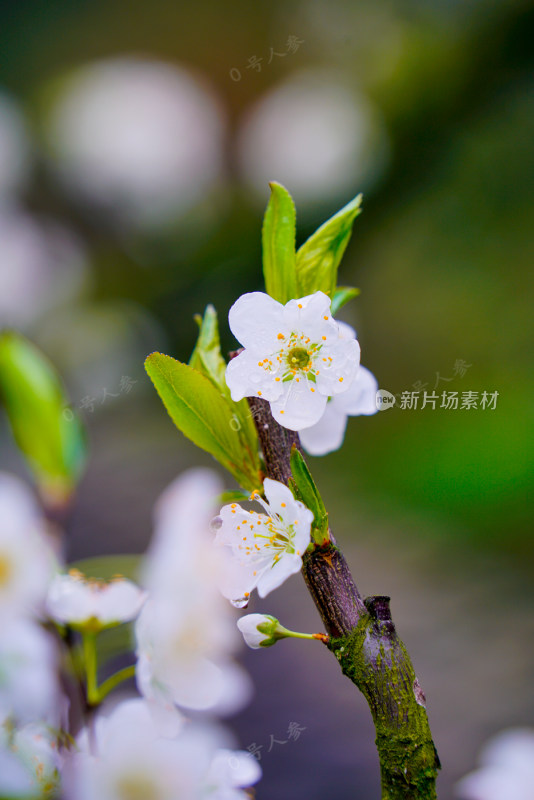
[[345, 330], [279, 497], [15, 780], [28, 688], [279, 572], [234, 768], [73, 599], [246, 378], [26, 560], [301, 405], [340, 368], [310, 314], [360, 397], [327, 434], [256, 319]]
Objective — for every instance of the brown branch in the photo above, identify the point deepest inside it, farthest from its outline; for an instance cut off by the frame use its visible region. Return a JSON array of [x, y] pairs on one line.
[[363, 638]]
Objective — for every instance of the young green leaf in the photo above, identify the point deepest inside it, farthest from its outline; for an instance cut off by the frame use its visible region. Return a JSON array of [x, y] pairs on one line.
[[319, 257], [204, 415], [305, 490], [341, 296], [46, 429], [207, 359], [278, 241], [236, 496]]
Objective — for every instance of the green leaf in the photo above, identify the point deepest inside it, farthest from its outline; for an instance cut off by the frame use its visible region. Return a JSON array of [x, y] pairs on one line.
[[303, 487], [206, 357], [341, 296], [319, 257], [204, 415], [234, 497], [278, 241], [45, 428]]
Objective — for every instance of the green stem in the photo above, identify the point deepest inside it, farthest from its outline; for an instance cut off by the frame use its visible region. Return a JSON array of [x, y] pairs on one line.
[[114, 680], [95, 693], [90, 659], [294, 635]]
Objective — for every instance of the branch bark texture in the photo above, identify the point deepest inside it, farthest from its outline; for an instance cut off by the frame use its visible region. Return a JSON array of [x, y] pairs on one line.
[[363, 638]]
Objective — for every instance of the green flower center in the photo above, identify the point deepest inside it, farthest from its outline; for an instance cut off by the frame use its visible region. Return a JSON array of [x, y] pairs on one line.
[[298, 358]]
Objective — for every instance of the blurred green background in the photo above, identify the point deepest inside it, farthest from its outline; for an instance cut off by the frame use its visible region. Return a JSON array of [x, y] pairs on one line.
[[136, 143]]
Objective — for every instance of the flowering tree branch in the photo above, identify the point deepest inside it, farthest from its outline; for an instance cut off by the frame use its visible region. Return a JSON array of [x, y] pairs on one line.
[[363, 638]]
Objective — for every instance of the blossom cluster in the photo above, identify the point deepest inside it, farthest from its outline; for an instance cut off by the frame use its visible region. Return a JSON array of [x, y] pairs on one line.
[[139, 744]]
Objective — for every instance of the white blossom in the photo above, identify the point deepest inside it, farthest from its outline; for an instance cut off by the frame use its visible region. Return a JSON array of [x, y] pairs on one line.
[[507, 769], [28, 681], [229, 772], [142, 139], [15, 779], [26, 561], [126, 758], [79, 601], [266, 548], [294, 356], [36, 748], [186, 633]]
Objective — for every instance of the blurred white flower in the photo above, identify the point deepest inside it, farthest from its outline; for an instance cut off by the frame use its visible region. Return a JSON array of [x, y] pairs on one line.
[[36, 747], [79, 601], [42, 265], [15, 780], [266, 548], [128, 759], [28, 674], [26, 561], [142, 139], [315, 136], [507, 769], [229, 772], [186, 632], [14, 147], [294, 356]]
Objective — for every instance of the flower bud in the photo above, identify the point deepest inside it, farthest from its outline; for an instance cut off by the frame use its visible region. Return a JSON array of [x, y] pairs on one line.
[[261, 630]]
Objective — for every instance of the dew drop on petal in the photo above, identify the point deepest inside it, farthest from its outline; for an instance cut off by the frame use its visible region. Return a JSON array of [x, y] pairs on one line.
[[216, 523], [241, 603]]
